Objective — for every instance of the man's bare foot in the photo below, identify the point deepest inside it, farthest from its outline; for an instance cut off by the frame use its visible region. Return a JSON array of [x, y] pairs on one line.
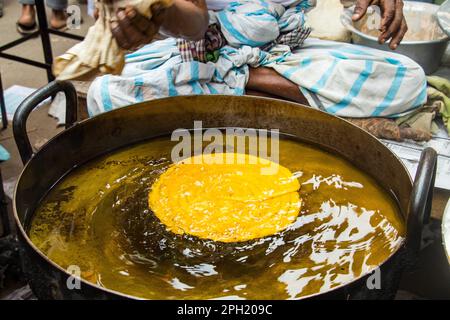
[[28, 16], [58, 19]]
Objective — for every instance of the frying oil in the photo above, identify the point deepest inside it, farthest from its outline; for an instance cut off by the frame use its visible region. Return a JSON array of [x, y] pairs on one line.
[[98, 218]]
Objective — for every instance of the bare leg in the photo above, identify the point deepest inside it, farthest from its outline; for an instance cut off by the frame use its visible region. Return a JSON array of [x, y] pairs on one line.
[[58, 19], [28, 15], [264, 94], [268, 82], [1, 8], [27, 18]]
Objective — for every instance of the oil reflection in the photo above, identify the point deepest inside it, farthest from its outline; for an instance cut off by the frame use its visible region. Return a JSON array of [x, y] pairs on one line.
[[98, 218]]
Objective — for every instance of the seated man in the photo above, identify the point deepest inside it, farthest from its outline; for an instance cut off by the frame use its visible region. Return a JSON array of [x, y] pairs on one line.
[[259, 47]]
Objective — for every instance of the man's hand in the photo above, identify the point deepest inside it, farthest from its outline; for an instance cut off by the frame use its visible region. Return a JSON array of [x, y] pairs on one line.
[[393, 24], [186, 19], [133, 30]]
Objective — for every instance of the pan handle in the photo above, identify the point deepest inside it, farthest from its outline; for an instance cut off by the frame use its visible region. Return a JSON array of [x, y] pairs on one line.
[[420, 202], [31, 102]]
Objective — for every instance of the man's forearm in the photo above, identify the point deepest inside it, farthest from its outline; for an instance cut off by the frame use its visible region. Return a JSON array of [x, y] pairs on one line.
[[186, 19]]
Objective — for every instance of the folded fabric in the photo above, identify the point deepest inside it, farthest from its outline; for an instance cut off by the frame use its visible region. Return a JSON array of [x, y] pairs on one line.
[[437, 104], [293, 33], [99, 51], [204, 50], [420, 124], [384, 128], [439, 94], [421, 119]]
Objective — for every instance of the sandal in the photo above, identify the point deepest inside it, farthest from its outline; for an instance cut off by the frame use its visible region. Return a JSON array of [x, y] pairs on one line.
[[25, 29], [64, 27], [61, 28]]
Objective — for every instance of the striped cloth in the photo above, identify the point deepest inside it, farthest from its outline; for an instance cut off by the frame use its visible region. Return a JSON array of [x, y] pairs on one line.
[[342, 79], [292, 39], [355, 81], [157, 71], [204, 50]]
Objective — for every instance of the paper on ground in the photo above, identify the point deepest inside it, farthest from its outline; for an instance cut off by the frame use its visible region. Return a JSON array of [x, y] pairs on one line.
[[409, 152], [14, 96], [446, 229]]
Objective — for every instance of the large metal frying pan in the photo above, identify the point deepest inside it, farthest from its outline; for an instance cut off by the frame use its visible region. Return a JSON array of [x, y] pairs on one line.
[[115, 129]]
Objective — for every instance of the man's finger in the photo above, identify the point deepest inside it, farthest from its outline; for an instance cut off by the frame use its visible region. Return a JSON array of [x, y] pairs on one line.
[[141, 23], [148, 27], [360, 9], [119, 36], [133, 35], [394, 25], [396, 39], [387, 14]]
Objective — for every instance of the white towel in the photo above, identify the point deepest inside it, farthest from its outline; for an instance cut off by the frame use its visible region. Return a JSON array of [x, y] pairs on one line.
[[99, 52]]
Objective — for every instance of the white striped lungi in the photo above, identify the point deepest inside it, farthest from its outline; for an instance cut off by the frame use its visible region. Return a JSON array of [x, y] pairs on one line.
[[342, 79]]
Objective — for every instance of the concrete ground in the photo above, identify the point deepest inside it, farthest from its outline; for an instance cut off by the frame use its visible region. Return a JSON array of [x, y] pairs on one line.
[[41, 127], [431, 277], [17, 73]]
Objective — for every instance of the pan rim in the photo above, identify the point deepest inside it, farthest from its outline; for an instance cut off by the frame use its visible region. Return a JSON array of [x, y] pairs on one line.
[[119, 294]]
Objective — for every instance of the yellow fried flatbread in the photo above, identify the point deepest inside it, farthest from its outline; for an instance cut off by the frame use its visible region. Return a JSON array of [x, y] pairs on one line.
[[230, 201]]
